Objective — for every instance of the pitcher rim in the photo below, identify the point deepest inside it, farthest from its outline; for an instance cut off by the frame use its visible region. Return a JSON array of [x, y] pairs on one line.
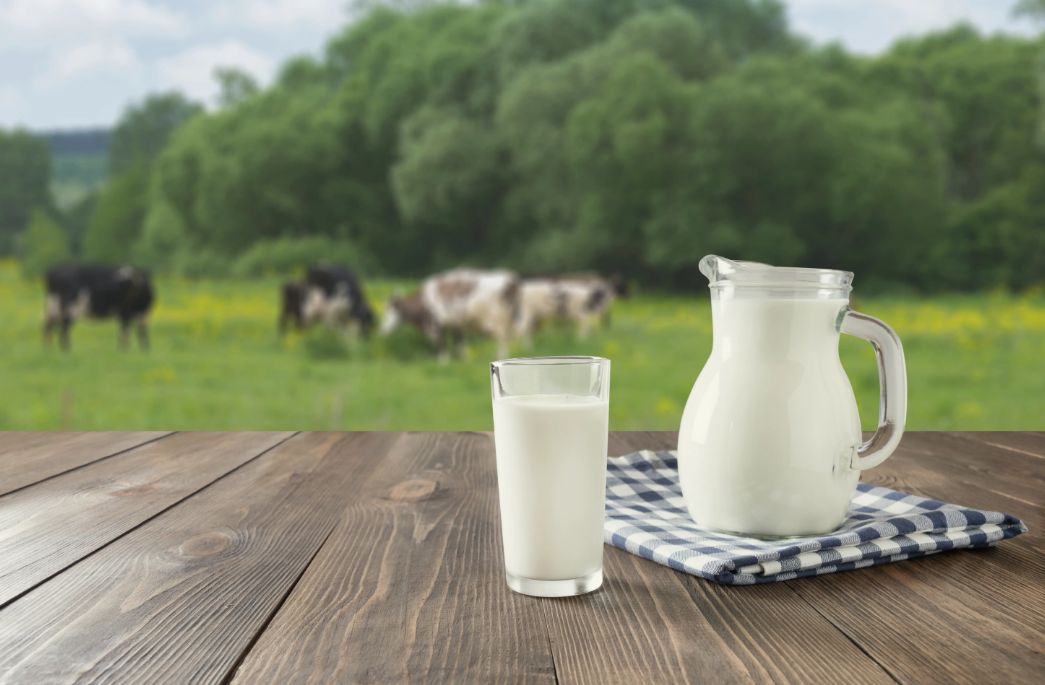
[[722, 272]]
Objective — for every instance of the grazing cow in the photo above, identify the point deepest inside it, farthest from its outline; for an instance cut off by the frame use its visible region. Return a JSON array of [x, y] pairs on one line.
[[293, 309], [99, 292], [459, 301], [577, 298], [331, 294], [335, 296]]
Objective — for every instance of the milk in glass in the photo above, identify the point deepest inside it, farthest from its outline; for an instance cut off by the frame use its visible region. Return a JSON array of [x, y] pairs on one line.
[[551, 472]]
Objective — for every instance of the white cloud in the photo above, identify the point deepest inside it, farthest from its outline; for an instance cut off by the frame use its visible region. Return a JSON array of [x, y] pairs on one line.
[[284, 14], [870, 26], [11, 104], [46, 23], [192, 71], [112, 57]]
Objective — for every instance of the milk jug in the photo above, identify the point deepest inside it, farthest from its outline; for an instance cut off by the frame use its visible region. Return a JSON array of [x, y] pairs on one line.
[[770, 442]]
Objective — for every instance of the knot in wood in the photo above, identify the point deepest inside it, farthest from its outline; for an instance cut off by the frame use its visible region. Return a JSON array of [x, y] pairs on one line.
[[413, 490], [205, 545], [131, 492]]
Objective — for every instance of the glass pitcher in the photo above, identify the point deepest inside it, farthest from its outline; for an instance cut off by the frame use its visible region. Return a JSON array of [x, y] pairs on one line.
[[770, 442]]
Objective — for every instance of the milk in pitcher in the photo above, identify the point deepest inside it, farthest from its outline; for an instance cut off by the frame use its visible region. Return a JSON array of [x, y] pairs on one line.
[[771, 427]]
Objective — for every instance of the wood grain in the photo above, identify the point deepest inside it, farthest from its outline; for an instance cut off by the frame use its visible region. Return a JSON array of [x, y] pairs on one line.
[[651, 633], [233, 574], [904, 614], [51, 525], [1014, 474], [27, 458], [1029, 443], [181, 598], [1010, 578], [410, 588], [921, 630]]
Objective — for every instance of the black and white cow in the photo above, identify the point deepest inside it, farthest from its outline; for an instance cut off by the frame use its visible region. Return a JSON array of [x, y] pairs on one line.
[[292, 310], [99, 292], [330, 293]]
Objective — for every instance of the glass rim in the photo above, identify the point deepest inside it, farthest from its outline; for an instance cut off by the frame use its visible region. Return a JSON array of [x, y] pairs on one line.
[[781, 286], [549, 361]]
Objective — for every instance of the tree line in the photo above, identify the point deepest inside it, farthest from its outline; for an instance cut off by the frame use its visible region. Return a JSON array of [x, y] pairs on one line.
[[627, 136]]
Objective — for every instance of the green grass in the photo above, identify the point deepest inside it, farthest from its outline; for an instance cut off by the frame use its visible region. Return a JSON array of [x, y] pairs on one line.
[[974, 363]]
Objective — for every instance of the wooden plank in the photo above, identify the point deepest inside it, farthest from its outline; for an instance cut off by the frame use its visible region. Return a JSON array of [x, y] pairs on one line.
[[1014, 474], [941, 476], [1012, 575], [653, 624], [926, 619], [182, 597], [1028, 443], [51, 525], [27, 458], [908, 473], [999, 587], [953, 477], [921, 631], [623, 442], [991, 594], [410, 586]]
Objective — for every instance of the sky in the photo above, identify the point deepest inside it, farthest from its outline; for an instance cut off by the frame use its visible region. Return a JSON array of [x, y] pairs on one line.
[[69, 64]]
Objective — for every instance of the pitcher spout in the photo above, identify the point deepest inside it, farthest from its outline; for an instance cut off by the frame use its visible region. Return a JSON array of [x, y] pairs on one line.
[[727, 273], [717, 269]]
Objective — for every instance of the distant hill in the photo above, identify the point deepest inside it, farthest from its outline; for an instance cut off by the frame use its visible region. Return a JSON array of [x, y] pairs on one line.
[[90, 141], [78, 162]]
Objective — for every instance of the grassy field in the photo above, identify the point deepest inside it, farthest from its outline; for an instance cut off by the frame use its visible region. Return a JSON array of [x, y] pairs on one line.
[[974, 363]]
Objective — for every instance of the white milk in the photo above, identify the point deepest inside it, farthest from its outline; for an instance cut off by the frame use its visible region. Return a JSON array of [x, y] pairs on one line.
[[551, 472], [772, 421]]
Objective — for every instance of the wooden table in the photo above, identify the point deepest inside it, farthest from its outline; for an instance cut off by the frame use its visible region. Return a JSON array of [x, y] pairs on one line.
[[375, 557]]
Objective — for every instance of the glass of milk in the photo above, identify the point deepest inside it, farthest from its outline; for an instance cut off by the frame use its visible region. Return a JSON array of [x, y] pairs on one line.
[[551, 426]]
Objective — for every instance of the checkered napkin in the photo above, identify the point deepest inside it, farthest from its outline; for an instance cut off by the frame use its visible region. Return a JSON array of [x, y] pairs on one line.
[[646, 515]]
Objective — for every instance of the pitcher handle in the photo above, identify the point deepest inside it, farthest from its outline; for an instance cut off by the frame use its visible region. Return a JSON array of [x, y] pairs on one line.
[[892, 380]]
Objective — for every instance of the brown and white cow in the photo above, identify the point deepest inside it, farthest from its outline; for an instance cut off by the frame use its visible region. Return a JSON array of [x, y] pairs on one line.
[[459, 301], [582, 299]]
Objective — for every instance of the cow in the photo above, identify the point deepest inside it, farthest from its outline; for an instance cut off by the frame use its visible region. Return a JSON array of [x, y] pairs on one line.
[[330, 293], [293, 305], [459, 301], [582, 299], [99, 292]]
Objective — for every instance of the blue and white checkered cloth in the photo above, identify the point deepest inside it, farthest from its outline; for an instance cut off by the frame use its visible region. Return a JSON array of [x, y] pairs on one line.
[[646, 515]]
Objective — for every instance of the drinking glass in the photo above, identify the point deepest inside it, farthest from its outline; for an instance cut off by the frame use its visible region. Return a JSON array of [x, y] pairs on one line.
[[551, 427]]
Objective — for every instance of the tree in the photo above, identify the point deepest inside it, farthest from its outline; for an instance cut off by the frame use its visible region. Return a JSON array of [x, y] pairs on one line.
[[618, 135], [116, 222], [447, 182], [163, 240], [43, 244], [76, 220], [263, 169], [780, 175], [144, 130], [1035, 9], [119, 212], [595, 138], [981, 99], [25, 176], [236, 85]]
